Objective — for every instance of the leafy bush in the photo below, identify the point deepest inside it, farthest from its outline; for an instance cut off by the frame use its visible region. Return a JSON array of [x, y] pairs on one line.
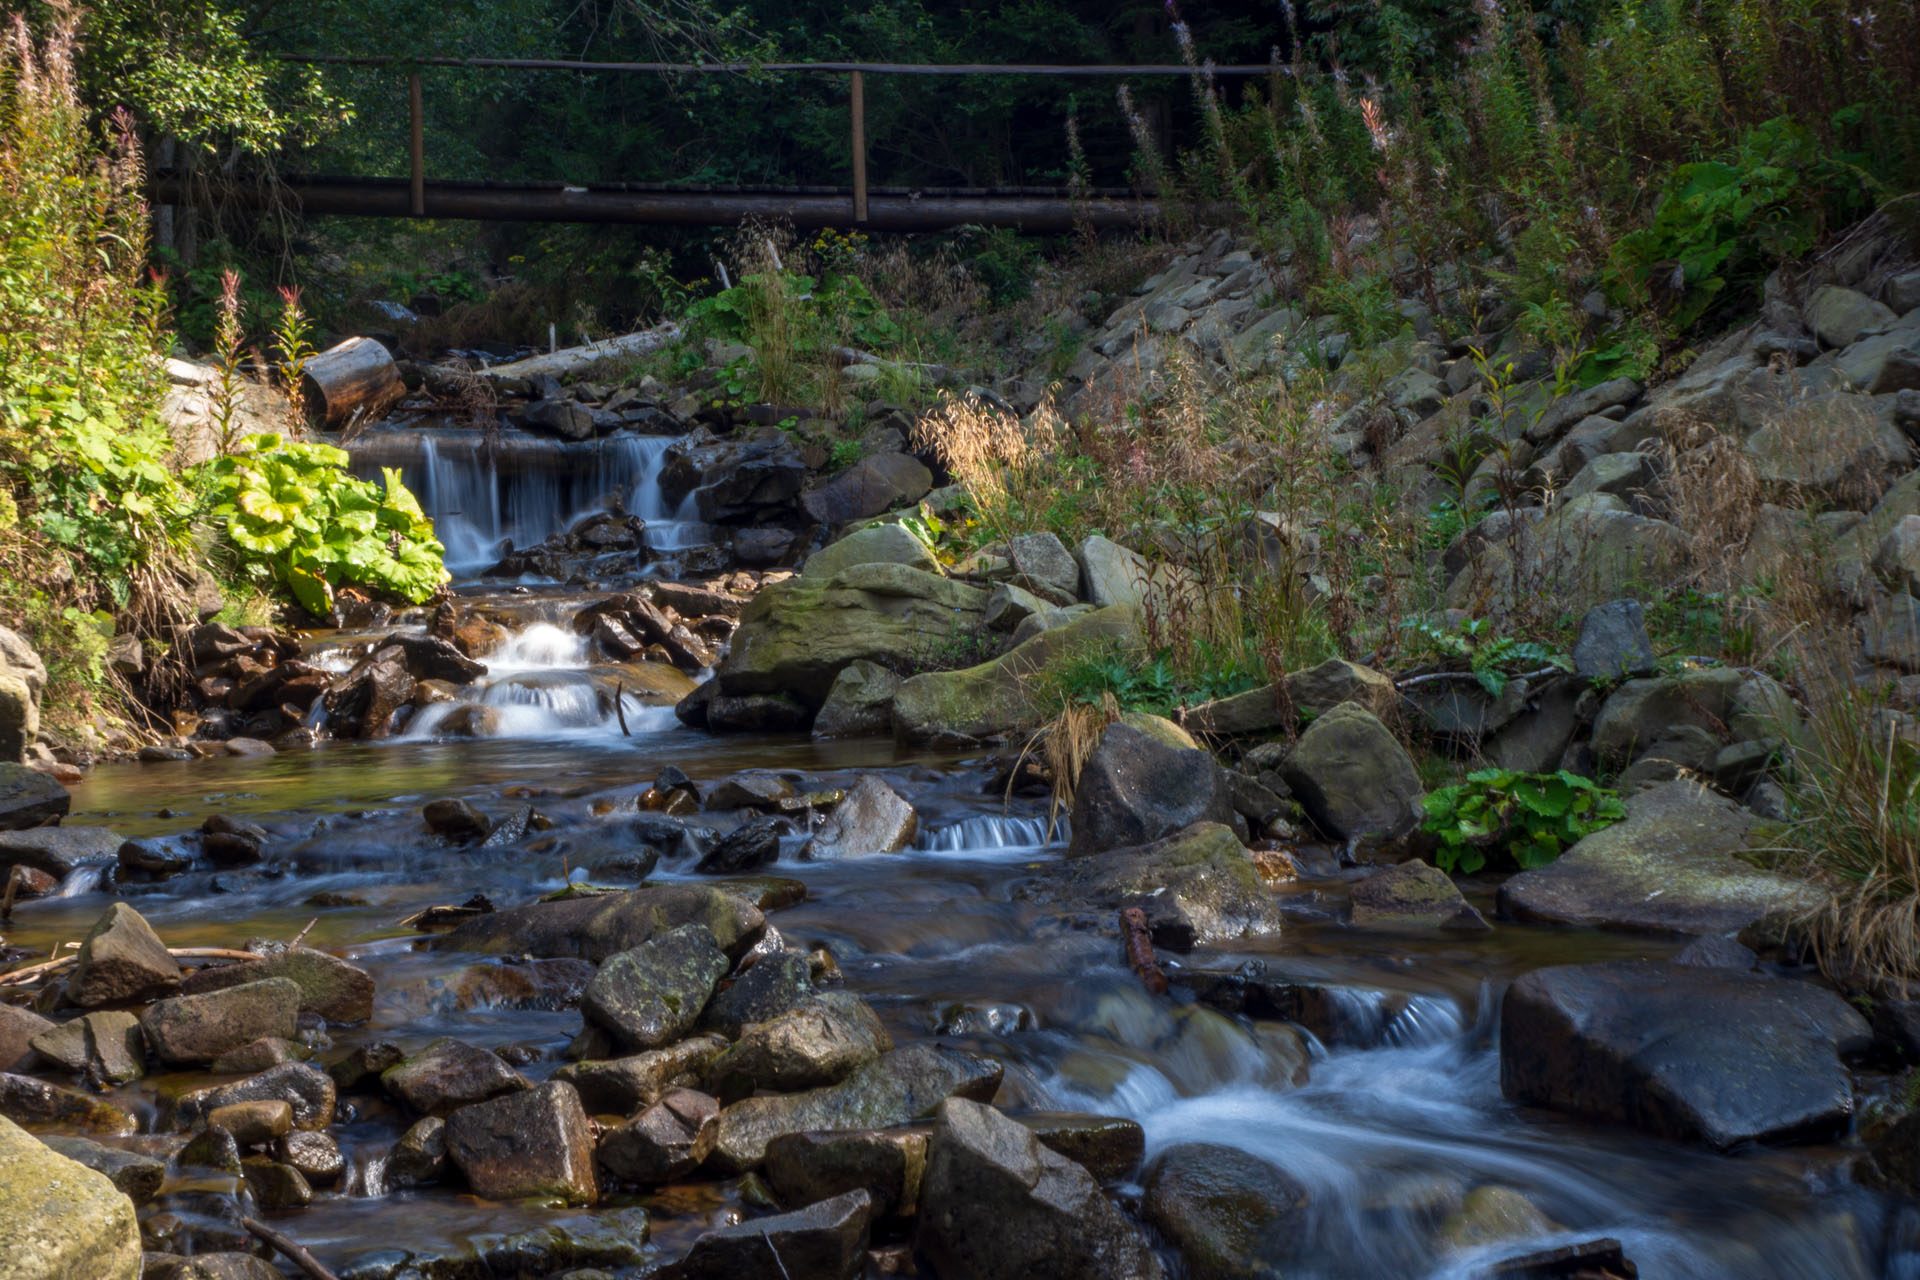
[[1488, 656], [1529, 817], [293, 509]]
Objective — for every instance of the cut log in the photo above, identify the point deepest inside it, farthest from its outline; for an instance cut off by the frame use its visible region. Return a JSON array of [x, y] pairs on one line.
[[353, 382], [570, 361]]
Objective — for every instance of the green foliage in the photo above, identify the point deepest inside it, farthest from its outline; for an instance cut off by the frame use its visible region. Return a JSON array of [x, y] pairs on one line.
[[294, 509], [1722, 224], [1151, 683], [1491, 658], [845, 453], [1528, 818]]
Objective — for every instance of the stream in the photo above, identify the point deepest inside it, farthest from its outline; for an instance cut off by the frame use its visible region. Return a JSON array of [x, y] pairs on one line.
[[1387, 1126]]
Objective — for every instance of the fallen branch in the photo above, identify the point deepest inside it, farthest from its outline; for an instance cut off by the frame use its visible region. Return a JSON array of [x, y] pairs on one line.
[[1431, 676], [620, 707], [1139, 947], [296, 1254], [301, 936], [32, 971]]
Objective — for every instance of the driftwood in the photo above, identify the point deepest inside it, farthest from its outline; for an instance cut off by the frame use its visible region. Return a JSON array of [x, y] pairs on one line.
[[572, 360], [352, 383], [33, 971], [1139, 945], [294, 1253]]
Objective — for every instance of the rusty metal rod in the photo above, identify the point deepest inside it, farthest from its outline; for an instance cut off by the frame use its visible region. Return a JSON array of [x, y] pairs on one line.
[[858, 110], [739, 68], [390, 198], [417, 145]]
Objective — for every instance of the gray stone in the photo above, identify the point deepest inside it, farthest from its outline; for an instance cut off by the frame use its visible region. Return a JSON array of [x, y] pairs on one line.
[[748, 847], [419, 1158], [870, 487], [1683, 1052], [185, 1030], [824, 1241], [594, 928], [1890, 632], [1672, 866], [1108, 1147], [1044, 559], [1843, 447], [1613, 642], [772, 986], [873, 818], [135, 1176], [1413, 895], [887, 1164], [622, 1086], [29, 797], [276, 1187], [1641, 711], [60, 1219], [447, 1075], [819, 1042], [877, 544], [654, 994], [59, 851], [310, 1092], [859, 702], [329, 986], [1196, 886], [532, 1143], [1353, 777], [1226, 1212], [1838, 316], [107, 1045], [122, 961], [18, 1027], [1136, 788], [664, 1142], [36, 1102], [998, 1205]]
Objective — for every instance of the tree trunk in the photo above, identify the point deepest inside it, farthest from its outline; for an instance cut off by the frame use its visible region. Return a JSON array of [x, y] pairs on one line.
[[353, 382]]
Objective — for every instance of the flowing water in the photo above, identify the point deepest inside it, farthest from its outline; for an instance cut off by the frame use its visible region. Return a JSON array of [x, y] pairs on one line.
[[1387, 1126]]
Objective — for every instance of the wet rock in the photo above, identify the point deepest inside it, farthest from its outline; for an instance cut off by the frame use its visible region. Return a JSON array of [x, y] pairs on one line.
[[29, 798], [222, 1265], [185, 1030], [135, 1176], [996, 1203], [362, 703], [1136, 789], [1198, 885], [329, 986], [754, 713], [1353, 777], [622, 1086], [211, 1148], [824, 1241], [59, 851], [1491, 1214], [315, 1155], [1413, 895], [532, 1143], [107, 1045], [447, 1075], [456, 820], [757, 790], [419, 1158], [666, 1141], [817, 1043], [859, 702], [1108, 1147], [870, 487], [1226, 1212], [428, 657], [901, 1086], [61, 1220], [310, 1092], [1682, 1052], [276, 1187], [18, 1027], [1613, 643], [157, 858], [531, 985], [360, 1069], [770, 988], [873, 818], [887, 1164], [654, 994], [255, 1123], [748, 847], [595, 928], [1672, 865]]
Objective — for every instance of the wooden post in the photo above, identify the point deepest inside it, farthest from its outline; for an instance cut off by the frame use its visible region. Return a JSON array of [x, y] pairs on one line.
[[417, 146], [859, 147]]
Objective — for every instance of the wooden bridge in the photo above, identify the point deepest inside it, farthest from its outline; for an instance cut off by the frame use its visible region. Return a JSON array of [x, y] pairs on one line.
[[856, 204]]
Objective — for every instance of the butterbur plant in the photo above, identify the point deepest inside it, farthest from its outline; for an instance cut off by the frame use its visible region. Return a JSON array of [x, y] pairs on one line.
[[1528, 819]]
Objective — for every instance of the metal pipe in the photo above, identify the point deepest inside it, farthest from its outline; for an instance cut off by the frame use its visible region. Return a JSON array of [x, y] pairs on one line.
[[390, 198], [858, 110], [740, 68], [417, 146]]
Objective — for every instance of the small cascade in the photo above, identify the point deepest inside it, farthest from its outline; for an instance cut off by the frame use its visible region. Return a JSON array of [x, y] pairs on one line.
[[992, 835], [486, 491], [540, 685]]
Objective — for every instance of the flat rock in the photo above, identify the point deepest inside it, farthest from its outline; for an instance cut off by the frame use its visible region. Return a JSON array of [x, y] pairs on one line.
[[122, 961], [879, 544], [1413, 895], [533, 1143], [185, 1030], [308, 1090], [329, 986], [820, 1042], [598, 927], [902, 1086], [655, 993], [997, 1204], [1670, 866], [29, 1101], [622, 1086], [1713, 1055], [449, 1074], [59, 851], [824, 1241], [60, 1219]]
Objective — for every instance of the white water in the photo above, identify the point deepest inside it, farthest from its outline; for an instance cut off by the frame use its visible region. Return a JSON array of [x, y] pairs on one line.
[[990, 836], [537, 686]]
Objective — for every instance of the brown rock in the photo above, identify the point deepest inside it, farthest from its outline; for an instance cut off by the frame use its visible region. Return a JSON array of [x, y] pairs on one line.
[[255, 1123], [666, 1141], [535, 1142], [448, 1075], [122, 961], [194, 1029], [329, 986]]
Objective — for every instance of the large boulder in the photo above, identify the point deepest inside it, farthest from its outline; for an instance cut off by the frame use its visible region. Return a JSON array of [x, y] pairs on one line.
[[1196, 886], [23, 677], [1413, 895], [997, 1204], [594, 928], [654, 994], [797, 635], [1228, 1214], [1591, 550], [820, 1042], [887, 1164], [122, 961], [753, 481], [873, 818], [869, 487], [1353, 777], [1841, 447], [60, 851], [859, 702], [29, 798], [899, 1087], [824, 1241], [1682, 1051], [1311, 692], [329, 986], [61, 1220], [535, 1142], [1136, 788], [1639, 712], [1838, 315], [448, 1075], [622, 1086], [1001, 697], [1672, 865], [879, 544], [185, 1030]]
